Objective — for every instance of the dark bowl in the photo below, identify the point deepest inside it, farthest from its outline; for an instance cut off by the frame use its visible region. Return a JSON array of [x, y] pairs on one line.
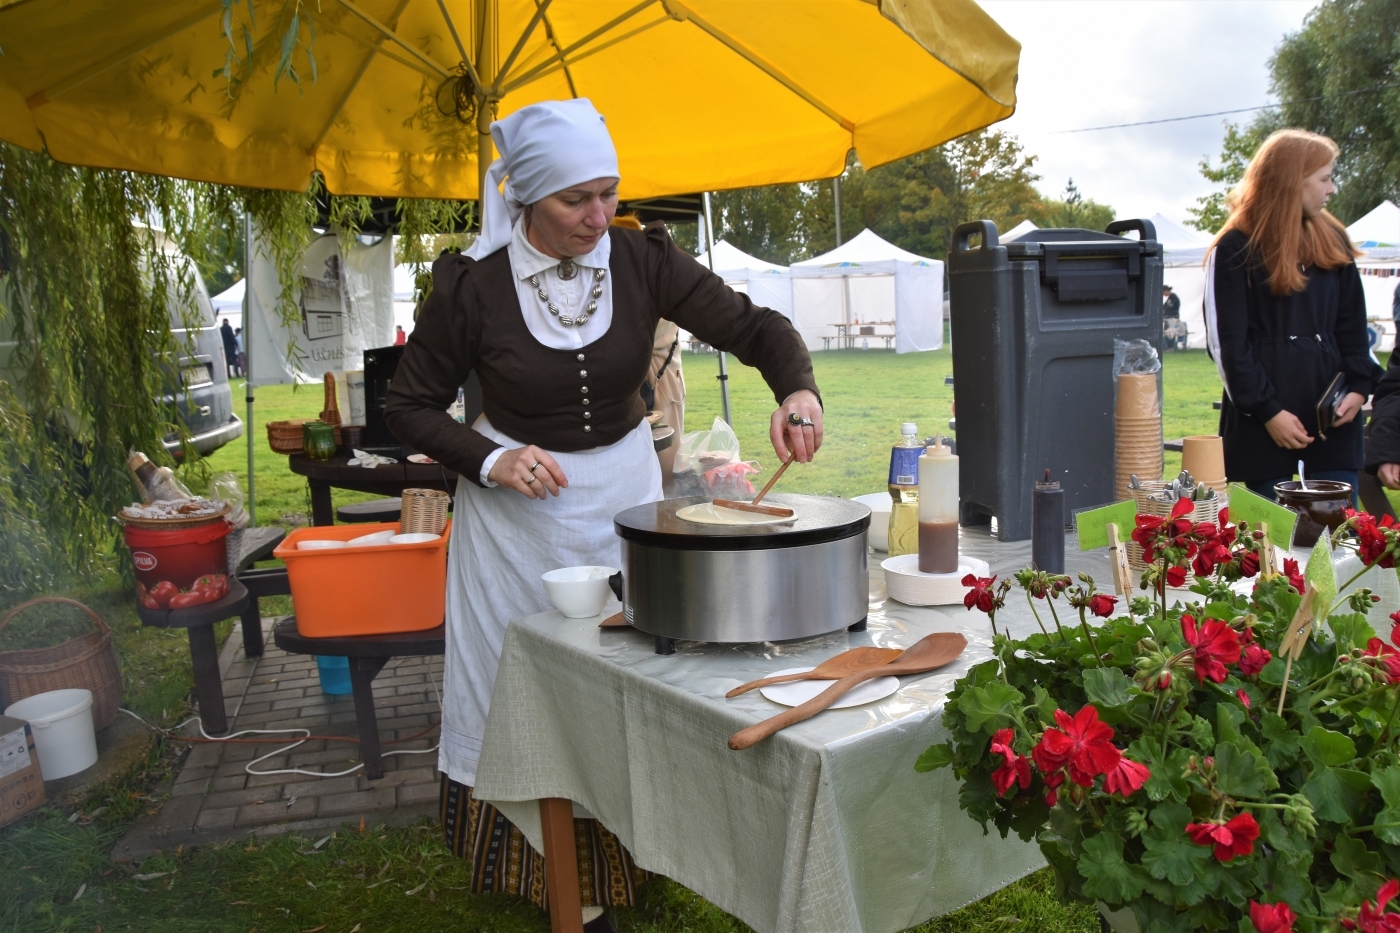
[[1321, 506]]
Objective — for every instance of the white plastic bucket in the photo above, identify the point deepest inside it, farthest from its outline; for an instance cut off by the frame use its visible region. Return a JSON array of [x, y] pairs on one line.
[[63, 733]]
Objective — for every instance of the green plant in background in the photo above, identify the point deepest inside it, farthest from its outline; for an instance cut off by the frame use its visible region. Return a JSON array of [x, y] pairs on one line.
[[1224, 765]]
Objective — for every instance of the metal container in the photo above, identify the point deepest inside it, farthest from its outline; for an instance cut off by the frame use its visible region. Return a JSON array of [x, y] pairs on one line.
[[744, 583]]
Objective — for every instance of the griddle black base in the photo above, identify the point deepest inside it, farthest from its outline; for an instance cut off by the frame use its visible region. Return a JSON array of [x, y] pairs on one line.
[[859, 626], [664, 645]]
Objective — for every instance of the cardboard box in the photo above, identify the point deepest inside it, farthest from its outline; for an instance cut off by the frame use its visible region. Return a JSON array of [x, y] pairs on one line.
[[21, 784]]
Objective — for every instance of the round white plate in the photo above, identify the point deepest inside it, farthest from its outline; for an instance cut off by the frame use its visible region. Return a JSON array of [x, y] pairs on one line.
[[905, 583], [707, 513], [797, 692]]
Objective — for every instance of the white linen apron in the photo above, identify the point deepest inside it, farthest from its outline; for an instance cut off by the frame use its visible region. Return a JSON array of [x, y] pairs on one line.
[[501, 543]]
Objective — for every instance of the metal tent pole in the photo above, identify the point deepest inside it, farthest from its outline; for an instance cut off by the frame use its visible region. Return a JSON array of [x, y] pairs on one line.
[[247, 358], [836, 197], [723, 376]]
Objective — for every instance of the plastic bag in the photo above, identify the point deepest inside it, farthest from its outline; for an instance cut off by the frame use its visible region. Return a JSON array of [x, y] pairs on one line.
[[224, 487], [713, 456]]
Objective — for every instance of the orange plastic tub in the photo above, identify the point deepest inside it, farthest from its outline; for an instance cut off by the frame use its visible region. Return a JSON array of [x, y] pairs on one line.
[[365, 590]]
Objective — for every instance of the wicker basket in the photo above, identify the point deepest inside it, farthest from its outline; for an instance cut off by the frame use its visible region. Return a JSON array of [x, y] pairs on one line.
[[424, 510], [285, 437], [88, 662], [1206, 510]]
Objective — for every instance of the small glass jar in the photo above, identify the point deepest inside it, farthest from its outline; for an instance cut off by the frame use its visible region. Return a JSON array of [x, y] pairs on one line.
[[318, 440]]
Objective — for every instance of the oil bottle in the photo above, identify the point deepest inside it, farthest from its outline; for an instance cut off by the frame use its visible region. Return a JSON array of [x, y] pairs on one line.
[[904, 490]]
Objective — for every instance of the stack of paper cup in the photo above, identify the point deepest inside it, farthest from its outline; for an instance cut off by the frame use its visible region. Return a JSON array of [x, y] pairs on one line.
[[1203, 456], [1138, 423]]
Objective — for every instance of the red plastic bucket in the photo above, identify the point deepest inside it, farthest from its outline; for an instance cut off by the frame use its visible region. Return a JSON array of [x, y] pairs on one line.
[[181, 567]]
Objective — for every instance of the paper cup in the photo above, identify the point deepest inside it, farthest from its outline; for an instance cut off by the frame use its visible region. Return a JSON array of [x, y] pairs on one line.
[[1203, 456], [1137, 395]]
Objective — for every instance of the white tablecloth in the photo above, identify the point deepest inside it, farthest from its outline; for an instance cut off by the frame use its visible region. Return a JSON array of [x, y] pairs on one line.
[[824, 827]]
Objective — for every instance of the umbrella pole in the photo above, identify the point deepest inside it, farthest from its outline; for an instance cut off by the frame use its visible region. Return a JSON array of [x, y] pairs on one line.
[[247, 358], [723, 376]]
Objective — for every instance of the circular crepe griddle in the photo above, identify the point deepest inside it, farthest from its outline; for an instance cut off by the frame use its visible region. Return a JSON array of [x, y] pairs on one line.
[[816, 519]]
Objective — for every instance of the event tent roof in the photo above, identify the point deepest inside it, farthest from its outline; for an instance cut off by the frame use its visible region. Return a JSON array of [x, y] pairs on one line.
[[230, 299], [865, 253], [730, 260], [1018, 231], [1381, 227]]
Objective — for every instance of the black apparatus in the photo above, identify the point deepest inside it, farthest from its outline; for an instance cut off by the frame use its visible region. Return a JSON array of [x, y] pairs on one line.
[[1033, 325], [381, 364]]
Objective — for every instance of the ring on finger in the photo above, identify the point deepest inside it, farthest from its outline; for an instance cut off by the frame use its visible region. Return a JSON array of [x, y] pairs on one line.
[[536, 466], [796, 420], [531, 481]]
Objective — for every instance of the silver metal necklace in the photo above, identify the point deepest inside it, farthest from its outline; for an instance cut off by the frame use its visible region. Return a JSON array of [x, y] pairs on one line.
[[564, 319]]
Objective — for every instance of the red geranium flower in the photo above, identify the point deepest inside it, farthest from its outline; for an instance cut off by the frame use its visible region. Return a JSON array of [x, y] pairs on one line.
[[1395, 629], [1082, 744], [1249, 564], [1388, 656], [1295, 577], [1176, 576], [980, 596], [1126, 778], [1243, 698], [1014, 768], [1052, 784], [1370, 537], [1215, 644], [1253, 658], [1101, 605], [1271, 918], [1230, 839], [1373, 918]]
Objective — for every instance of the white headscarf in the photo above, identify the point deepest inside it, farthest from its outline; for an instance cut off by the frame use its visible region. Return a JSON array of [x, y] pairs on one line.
[[545, 147]]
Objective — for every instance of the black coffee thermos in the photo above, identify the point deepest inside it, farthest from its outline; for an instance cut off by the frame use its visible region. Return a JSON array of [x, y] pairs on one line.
[[1048, 526]]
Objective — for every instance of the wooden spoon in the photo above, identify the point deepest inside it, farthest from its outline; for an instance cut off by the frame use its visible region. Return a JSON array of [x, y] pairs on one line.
[[930, 652], [834, 668], [754, 505]]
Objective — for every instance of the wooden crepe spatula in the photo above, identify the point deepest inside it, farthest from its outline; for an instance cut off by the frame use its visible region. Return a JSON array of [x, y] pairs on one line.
[[930, 652], [834, 668], [754, 505]]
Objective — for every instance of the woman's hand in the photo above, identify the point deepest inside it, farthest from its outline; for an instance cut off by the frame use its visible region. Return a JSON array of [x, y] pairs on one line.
[[1287, 431], [530, 471], [1348, 407], [1389, 474], [805, 439]]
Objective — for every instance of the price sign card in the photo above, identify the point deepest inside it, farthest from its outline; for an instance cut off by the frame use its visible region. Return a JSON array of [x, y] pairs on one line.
[[1246, 506], [1092, 524]]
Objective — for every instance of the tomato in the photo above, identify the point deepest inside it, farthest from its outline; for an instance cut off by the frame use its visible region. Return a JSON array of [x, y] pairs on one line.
[[163, 592], [186, 600], [144, 596], [216, 583]]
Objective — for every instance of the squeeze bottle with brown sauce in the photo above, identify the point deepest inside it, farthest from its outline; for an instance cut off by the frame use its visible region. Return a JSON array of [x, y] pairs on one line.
[[938, 510]]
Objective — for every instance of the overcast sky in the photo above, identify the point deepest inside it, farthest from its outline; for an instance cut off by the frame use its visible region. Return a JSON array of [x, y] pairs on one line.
[[1090, 63]]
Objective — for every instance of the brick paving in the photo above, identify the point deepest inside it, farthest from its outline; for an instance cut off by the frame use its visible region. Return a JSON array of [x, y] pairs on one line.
[[213, 798]]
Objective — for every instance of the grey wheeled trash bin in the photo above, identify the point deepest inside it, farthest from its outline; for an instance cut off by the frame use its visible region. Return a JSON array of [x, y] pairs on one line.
[[1033, 328]]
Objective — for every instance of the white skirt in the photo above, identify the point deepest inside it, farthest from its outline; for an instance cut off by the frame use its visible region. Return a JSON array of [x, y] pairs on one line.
[[501, 544]]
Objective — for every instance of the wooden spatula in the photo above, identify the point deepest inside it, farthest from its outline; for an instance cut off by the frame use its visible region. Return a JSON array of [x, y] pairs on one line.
[[843, 664], [754, 505], [930, 652]]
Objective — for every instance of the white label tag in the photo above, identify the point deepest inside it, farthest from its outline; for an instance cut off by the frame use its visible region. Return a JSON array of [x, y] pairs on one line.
[[14, 752]]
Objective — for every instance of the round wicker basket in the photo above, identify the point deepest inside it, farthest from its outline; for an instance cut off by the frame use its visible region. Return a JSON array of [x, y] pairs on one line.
[[88, 662]]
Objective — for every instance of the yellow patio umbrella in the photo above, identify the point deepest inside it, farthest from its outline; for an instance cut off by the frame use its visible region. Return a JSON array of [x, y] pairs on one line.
[[395, 97]]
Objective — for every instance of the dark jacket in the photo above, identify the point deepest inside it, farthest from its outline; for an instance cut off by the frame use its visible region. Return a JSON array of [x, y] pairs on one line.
[[1383, 444], [1281, 352], [569, 400]]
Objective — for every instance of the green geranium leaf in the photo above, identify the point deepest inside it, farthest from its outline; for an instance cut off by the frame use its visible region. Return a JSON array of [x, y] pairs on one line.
[[1240, 773], [1388, 825], [1387, 781], [1352, 631], [1352, 859], [935, 757], [1337, 898], [1106, 876], [1044, 706], [1107, 687], [1168, 774], [1227, 722], [1335, 793], [1325, 747], [1171, 855], [990, 707], [1280, 742]]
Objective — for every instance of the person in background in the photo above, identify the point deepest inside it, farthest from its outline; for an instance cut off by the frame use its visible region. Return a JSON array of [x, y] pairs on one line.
[[242, 352], [1171, 305], [400, 338], [230, 348], [1395, 308], [1285, 314], [665, 379], [1383, 441]]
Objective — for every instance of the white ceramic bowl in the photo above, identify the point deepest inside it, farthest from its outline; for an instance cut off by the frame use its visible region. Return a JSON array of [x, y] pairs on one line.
[[579, 592], [905, 583], [319, 544], [414, 537], [371, 540], [879, 504]]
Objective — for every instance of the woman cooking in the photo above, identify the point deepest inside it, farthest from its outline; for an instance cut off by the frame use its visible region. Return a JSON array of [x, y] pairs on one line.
[[555, 311]]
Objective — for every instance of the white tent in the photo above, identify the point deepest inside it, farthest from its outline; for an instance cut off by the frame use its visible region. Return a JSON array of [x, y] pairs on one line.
[[1018, 231], [1380, 228], [873, 282], [767, 285], [229, 303]]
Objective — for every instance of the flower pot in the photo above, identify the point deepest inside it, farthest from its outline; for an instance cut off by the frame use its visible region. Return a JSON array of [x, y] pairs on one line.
[[1322, 505]]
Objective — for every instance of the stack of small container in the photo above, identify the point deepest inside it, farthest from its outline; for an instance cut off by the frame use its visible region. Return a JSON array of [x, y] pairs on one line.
[[1138, 426]]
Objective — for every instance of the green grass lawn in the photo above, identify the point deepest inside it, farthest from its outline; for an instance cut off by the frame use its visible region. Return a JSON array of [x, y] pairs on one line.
[[56, 874]]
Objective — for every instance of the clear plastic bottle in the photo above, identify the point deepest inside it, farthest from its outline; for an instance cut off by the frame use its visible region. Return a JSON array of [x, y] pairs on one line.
[[938, 509], [904, 490]]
